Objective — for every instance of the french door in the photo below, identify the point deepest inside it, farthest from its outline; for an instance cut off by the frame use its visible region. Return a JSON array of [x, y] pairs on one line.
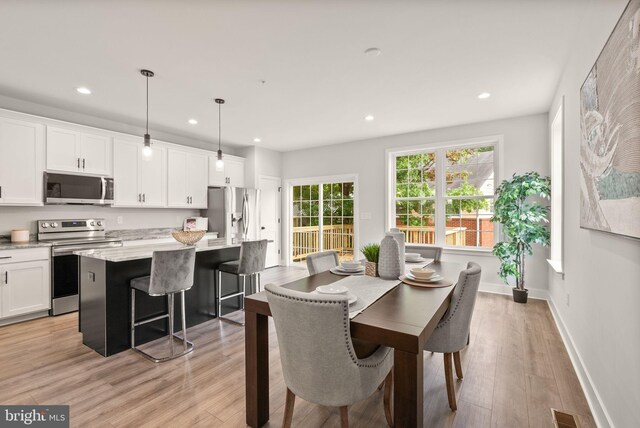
[[323, 218]]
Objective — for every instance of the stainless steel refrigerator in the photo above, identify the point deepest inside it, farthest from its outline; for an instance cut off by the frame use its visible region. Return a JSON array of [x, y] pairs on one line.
[[233, 212]]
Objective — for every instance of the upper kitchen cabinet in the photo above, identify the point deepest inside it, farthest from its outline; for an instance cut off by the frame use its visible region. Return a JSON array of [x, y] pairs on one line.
[[187, 179], [73, 151], [21, 162], [139, 181], [232, 173]]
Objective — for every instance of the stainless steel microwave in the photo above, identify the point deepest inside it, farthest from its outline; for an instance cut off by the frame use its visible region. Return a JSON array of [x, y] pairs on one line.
[[77, 189]]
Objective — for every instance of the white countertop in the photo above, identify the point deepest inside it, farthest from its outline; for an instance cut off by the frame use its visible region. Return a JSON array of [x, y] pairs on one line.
[[124, 254]]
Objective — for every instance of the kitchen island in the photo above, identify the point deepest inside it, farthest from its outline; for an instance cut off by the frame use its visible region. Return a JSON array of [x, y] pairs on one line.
[[105, 296]]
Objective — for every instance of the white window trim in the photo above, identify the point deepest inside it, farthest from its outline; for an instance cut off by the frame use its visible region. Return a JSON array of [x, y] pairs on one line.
[[288, 199], [440, 147], [557, 183]]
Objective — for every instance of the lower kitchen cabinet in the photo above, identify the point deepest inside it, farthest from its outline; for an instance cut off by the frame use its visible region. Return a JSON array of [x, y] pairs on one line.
[[24, 284]]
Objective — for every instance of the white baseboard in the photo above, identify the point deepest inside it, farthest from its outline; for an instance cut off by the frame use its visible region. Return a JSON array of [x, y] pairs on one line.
[[598, 410], [534, 293]]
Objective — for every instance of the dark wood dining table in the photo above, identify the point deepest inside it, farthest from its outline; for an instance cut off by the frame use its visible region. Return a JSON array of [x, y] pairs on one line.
[[402, 319]]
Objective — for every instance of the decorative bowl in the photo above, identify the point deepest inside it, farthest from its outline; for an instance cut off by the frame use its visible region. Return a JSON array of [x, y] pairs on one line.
[[188, 237], [412, 256], [422, 273], [332, 289], [351, 265]]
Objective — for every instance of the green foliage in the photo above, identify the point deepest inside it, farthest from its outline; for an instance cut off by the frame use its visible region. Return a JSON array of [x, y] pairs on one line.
[[371, 252], [523, 222]]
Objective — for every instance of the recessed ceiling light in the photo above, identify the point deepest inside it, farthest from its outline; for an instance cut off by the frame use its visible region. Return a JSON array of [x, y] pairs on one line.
[[192, 122], [484, 95], [373, 52], [256, 140], [83, 90], [368, 118]]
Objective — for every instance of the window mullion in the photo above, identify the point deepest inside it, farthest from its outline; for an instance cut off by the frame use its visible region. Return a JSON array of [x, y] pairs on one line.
[[320, 217], [440, 199]]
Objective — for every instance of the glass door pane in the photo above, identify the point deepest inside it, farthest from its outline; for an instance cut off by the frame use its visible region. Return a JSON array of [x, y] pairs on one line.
[[306, 221], [338, 214]]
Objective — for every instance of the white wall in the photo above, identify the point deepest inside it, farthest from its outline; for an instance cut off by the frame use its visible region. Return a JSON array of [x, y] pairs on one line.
[[260, 161], [133, 218], [525, 149], [602, 271]]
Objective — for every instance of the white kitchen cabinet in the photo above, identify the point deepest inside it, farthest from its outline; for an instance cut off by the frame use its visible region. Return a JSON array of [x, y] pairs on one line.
[[24, 282], [73, 151], [232, 173], [21, 162], [187, 179], [139, 181]]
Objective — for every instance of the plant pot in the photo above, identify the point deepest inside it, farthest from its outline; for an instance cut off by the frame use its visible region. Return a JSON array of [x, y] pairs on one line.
[[520, 296], [371, 268]]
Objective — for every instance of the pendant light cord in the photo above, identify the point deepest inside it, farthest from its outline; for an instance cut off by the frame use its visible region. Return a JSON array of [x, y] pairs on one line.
[[147, 104], [219, 126]]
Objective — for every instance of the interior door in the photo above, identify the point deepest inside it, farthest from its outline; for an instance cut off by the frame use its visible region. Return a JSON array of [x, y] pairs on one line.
[[270, 217]]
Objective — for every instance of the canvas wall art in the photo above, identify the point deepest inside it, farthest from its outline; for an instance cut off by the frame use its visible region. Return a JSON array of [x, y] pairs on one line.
[[610, 127]]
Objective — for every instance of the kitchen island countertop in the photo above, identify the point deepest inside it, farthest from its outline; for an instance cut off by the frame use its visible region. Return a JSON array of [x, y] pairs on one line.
[[124, 254]]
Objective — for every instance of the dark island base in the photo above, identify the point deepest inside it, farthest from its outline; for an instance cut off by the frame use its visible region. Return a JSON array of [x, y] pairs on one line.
[[105, 300]]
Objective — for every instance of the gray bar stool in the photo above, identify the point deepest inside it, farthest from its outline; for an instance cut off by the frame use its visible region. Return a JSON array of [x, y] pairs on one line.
[[253, 256], [171, 273]]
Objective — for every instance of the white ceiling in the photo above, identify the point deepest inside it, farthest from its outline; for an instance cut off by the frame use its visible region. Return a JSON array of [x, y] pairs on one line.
[[437, 56]]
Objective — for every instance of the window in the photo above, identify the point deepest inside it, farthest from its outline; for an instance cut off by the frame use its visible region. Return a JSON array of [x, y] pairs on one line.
[[323, 219], [557, 143], [444, 195]]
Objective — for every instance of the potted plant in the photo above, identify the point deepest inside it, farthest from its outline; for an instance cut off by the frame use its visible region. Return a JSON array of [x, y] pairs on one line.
[[523, 224], [371, 253]]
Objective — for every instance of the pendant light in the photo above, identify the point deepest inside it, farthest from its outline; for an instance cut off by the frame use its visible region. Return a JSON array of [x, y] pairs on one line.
[[219, 162], [146, 150]]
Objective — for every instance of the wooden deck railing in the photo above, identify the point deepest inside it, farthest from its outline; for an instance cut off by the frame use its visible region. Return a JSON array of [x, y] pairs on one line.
[[306, 239], [427, 235]]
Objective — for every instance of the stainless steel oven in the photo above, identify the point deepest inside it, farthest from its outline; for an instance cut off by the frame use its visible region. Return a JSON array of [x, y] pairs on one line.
[[77, 189], [67, 236]]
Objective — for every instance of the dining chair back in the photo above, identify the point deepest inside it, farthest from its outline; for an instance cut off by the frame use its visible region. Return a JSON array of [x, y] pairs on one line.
[[319, 363], [426, 251], [322, 261], [452, 332]]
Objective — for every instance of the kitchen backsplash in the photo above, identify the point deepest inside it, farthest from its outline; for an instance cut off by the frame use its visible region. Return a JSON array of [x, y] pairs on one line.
[[132, 218]]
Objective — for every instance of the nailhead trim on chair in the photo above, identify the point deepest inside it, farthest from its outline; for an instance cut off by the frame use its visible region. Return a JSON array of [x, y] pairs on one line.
[[442, 323], [345, 319]]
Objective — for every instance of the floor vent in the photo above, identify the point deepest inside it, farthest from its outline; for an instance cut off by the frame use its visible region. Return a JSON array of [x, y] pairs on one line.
[[564, 420]]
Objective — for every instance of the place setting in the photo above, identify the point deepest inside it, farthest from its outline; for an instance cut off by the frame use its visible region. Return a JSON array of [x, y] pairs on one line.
[[355, 304], [425, 277], [416, 258], [348, 269]]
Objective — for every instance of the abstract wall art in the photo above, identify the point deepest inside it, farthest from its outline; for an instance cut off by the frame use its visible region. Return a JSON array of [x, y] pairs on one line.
[[610, 128]]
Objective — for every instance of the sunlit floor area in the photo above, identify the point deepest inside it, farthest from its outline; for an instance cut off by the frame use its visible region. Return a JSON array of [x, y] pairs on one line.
[[515, 370]]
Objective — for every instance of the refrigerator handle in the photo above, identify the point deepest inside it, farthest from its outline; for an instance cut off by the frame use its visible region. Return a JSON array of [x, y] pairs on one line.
[[245, 215]]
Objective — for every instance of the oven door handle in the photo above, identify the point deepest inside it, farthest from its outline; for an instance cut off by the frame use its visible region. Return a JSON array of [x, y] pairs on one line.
[[69, 249]]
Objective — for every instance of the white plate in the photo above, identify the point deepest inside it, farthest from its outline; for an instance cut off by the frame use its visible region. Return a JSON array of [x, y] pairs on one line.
[[332, 289], [337, 271], [358, 269], [434, 278]]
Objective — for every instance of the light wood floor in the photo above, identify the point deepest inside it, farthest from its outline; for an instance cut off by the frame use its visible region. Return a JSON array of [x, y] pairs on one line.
[[515, 370]]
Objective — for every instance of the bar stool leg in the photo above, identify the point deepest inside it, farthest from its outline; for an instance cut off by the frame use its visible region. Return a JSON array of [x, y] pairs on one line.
[[184, 322], [133, 317], [171, 315]]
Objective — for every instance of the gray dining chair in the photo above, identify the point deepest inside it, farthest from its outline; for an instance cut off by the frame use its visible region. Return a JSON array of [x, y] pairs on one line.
[[452, 332], [322, 261], [252, 261], [426, 251], [319, 363], [171, 273]]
